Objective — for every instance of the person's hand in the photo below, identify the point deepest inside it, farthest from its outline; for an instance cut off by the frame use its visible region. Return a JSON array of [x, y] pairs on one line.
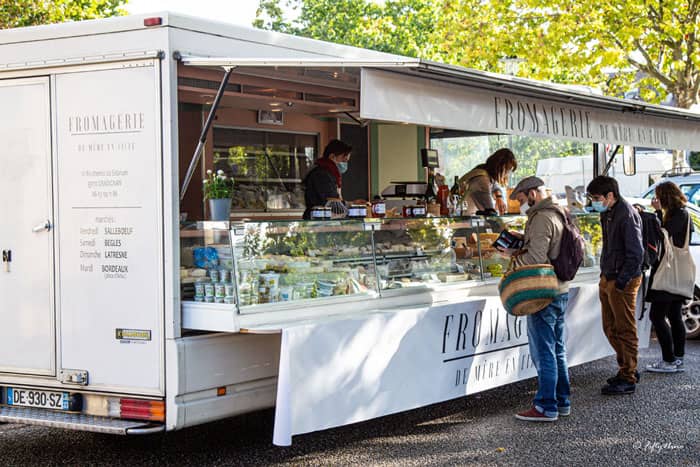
[[508, 252], [656, 204], [501, 206]]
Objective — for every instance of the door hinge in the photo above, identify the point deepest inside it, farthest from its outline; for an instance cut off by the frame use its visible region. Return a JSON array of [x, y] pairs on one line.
[[73, 377]]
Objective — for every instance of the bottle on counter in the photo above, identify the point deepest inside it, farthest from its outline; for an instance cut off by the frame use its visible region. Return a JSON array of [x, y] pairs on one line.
[[455, 199], [444, 200]]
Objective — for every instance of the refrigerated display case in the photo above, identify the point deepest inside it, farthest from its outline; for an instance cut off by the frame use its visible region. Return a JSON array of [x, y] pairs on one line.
[[249, 267]]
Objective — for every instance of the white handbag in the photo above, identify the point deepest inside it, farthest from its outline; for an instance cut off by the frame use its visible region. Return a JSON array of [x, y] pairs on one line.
[[676, 271]]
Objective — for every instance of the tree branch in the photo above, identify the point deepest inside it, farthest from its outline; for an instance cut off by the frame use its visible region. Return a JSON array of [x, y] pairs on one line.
[[650, 67]]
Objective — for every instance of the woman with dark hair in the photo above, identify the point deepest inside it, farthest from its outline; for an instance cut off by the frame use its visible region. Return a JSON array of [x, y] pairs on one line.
[[325, 180], [482, 186], [670, 207]]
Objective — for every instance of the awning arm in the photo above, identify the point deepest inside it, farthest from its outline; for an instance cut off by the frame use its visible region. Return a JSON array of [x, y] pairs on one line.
[[610, 161], [297, 62], [205, 131]]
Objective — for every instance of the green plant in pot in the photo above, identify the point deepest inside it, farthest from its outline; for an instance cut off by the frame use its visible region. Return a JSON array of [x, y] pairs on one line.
[[218, 189]]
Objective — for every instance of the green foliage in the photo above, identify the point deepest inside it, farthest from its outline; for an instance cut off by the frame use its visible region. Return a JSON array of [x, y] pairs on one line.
[[608, 44], [459, 155], [18, 13]]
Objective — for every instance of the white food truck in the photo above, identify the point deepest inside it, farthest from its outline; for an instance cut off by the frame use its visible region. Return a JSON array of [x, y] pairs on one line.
[[101, 329]]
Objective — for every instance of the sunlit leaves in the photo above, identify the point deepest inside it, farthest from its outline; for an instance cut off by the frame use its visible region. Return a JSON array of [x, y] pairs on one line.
[[17, 13]]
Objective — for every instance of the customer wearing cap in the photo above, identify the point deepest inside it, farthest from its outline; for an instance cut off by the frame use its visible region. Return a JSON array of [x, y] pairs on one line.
[[545, 329], [620, 278]]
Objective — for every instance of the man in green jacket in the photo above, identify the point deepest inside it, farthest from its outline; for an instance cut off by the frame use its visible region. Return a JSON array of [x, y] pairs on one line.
[[545, 329]]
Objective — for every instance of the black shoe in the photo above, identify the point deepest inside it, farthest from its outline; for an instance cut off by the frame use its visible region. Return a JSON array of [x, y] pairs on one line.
[[616, 378], [618, 388]]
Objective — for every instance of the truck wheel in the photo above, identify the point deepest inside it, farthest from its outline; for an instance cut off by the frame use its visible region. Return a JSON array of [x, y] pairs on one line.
[[691, 316]]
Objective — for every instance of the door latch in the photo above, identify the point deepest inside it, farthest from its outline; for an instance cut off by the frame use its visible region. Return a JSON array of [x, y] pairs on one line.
[[7, 259], [73, 377], [45, 226]]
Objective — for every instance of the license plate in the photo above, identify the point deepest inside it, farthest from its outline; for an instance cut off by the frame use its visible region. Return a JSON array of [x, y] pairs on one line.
[[33, 398]]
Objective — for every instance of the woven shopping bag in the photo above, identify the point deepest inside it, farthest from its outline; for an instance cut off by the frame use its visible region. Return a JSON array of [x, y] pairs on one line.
[[528, 289]]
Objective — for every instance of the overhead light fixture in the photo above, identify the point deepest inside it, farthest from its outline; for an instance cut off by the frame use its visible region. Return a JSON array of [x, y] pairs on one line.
[[275, 104]]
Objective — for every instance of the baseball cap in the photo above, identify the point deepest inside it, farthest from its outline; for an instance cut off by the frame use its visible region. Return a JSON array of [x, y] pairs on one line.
[[526, 184]]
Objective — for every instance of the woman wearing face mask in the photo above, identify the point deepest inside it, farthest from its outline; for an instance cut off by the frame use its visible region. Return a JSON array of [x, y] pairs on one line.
[[670, 207], [324, 181], [482, 186]]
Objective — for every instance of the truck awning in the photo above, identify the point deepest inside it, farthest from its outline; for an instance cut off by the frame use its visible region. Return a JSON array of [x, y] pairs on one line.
[[407, 90], [447, 97]]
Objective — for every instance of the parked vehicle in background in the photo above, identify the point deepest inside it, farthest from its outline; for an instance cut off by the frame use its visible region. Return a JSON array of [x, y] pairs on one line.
[[691, 310], [688, 181]]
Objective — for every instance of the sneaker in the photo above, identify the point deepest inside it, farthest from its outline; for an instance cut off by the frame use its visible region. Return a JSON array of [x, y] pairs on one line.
[[617, 377], [679, 365], [564, 411], [618, 388], [534, 415], [663, 367]]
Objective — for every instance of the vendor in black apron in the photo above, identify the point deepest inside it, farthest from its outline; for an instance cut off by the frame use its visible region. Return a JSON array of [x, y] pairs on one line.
[[324, 181]]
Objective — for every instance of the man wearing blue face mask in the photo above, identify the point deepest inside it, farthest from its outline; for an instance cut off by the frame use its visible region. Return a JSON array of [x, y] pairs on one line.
[[620, 278], [324, 181]]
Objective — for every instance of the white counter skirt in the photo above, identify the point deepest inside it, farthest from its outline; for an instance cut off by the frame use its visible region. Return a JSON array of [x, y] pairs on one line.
[[343, 371]]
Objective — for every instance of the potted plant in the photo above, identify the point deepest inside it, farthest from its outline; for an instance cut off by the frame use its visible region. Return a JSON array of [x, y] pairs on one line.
[[218, 189]]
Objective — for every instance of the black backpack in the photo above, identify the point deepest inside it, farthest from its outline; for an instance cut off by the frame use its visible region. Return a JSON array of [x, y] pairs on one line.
[[571, 250], [652, 239]]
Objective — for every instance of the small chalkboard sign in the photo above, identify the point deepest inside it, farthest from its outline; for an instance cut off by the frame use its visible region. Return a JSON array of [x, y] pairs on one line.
[[430, 158]]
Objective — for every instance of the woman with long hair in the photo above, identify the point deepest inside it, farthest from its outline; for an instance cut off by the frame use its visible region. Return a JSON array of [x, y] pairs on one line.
[[670, 207], [483, 185]]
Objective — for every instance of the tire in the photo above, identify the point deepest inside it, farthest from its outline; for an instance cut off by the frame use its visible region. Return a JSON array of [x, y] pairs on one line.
[[691, 316]]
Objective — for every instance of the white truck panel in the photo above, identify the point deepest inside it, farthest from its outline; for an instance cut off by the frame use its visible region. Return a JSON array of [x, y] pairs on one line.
[[110, 226], [26, 282]]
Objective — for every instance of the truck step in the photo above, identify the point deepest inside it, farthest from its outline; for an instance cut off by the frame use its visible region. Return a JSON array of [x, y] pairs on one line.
[[76, 421]]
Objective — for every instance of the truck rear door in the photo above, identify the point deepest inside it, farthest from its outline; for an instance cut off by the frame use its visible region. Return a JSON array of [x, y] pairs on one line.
[[27, 313]]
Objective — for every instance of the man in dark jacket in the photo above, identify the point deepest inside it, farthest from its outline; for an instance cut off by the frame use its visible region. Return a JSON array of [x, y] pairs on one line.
[[620, 278]]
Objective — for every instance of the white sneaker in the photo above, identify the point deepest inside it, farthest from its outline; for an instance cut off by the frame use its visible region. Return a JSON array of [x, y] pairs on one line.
[[662, 367], [679, 365]]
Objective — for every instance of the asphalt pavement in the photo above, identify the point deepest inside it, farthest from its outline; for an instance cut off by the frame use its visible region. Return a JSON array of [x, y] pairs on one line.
[[659, 425]]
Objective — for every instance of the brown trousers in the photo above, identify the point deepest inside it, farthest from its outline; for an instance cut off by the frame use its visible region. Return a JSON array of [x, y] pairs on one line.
[[619, 323]]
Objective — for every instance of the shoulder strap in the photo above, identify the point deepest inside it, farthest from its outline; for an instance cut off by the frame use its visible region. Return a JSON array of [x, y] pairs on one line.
[[687, 235]]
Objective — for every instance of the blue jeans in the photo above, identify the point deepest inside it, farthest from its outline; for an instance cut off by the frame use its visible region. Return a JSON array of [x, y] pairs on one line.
[[546, 336]]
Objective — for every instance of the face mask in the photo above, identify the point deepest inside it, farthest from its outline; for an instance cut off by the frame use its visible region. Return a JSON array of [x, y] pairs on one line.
[[531, 201], [342, 167], [523, 209], [598, 206]]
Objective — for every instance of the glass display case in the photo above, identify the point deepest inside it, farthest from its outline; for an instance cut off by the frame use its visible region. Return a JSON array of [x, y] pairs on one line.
[[248, 265]]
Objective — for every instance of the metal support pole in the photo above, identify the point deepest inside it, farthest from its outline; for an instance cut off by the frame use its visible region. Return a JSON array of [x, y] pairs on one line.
[[205, 130], [610, 161], [596, 159]]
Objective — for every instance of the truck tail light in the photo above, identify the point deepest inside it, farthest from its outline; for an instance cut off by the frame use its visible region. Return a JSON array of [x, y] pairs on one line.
[[137, 409], [153, 21]]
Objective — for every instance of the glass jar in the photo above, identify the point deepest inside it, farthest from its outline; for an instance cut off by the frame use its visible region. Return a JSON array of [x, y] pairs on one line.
[[378, 208], [320, 213], [357, 211], [418, 210]]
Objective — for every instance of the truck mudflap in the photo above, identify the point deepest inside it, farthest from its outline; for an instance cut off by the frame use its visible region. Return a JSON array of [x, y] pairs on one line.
[[76, 421]]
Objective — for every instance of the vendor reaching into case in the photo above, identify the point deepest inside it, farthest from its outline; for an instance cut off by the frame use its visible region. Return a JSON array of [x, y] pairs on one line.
[[483, 185]]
